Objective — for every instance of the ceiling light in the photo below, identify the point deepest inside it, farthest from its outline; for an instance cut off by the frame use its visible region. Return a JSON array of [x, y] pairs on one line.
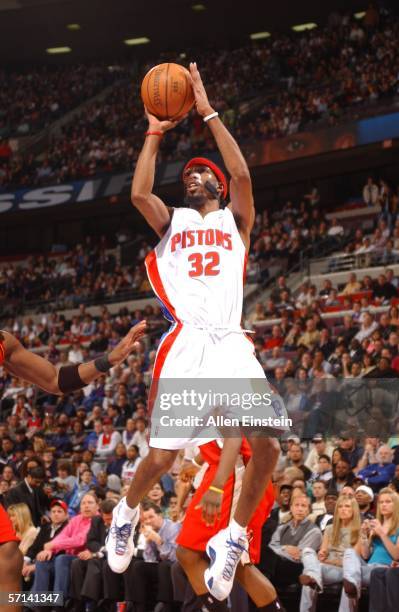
[[198, 7], [359, 15], [73, 27], [137, 41], [304, 26], [56, 50], [259, 35]]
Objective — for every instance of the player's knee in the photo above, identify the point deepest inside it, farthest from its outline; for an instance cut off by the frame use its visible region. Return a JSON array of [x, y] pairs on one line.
[[11, 562], [266, 452], [159, 461]]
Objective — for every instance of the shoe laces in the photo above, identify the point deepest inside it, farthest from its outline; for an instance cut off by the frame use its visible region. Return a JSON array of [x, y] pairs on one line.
[[233, 556], [122, 535]]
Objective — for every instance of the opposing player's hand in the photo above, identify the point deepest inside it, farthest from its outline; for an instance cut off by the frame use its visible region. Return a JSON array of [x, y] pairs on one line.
[[201, 98], [158, 125], [127, 344], [187, 472], [211, 504]]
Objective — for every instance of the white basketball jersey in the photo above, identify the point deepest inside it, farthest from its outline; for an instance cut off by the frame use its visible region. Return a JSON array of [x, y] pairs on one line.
[[197, 269]]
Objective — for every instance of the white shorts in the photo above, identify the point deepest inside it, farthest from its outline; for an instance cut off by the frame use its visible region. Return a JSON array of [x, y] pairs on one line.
[[189, 353]]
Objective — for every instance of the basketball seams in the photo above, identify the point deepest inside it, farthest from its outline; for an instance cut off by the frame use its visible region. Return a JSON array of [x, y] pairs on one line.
[[185, 95], [164, 80], [166, 91]]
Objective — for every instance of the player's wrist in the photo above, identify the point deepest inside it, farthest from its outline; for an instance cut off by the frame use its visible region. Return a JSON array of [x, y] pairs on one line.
[[207, 110]]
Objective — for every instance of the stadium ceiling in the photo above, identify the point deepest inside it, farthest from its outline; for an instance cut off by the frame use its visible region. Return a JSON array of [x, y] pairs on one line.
[[29, 27]]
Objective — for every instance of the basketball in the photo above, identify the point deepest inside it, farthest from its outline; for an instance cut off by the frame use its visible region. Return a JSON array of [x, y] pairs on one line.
[[166, 91]]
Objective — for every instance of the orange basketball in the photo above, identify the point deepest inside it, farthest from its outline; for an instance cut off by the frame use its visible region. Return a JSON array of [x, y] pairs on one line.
[[166, 91]]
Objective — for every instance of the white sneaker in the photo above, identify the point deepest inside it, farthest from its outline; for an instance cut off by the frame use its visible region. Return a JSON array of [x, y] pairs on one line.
[[119, 543], [224, 554]]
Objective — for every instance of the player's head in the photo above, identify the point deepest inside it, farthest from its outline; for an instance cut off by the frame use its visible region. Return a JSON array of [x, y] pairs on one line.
[[203, 181]]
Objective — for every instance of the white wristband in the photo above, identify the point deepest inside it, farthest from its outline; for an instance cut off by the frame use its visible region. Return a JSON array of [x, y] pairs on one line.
[[211, 116]]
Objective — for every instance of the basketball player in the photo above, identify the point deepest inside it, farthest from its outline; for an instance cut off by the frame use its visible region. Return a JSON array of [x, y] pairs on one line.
[[34, 369], [197, 529], [197, 273]]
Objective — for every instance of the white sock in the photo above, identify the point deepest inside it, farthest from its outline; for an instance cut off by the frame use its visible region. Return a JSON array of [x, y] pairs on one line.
[[126, 514], [236, 530]]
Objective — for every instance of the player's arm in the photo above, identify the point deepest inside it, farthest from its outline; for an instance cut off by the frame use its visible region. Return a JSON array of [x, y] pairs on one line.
[[155, 212], [37, 370], [211, 501], [242, 203]]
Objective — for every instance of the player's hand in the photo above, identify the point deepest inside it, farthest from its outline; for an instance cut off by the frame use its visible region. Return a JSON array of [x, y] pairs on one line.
[[187, 472], [211, 504], [201, 98], [126, 345], [159, 125]]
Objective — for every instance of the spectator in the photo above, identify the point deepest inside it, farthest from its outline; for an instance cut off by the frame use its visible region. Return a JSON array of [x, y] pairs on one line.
[[370, 192], [70, 542], [379, 475], [282, 557], [131, 464], [21, 520], [159, 554], [87, 577], [47, 532], [30, 492], [115, 466], [319, 490], [282, 513], [343, 475], [330, 503], [364, 496], [325, 567], [108, 439], [378, 545], [323, 470], [321, 447]]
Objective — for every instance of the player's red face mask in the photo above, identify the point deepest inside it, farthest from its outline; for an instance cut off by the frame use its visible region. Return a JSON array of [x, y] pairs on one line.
[[202, 161]]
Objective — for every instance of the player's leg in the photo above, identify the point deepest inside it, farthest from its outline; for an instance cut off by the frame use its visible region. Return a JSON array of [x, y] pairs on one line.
[[194, 564], [126, 514], [11, 561], [258, 473], [259, 588], [226, 547]]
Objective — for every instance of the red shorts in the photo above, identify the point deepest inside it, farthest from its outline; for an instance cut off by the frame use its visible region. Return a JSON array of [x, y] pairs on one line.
[[7, 533], [195, 534]]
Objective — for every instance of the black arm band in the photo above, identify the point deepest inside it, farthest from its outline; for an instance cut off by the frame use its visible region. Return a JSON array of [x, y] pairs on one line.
[[102, 364], [69, 379]]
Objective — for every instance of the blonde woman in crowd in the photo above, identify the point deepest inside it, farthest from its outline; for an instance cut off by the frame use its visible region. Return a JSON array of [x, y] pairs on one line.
[[21, 520], [325, 567], [378, 546]]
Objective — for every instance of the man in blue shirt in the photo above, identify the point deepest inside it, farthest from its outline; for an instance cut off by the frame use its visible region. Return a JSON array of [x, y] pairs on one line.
[[159, 554], [379, 475]]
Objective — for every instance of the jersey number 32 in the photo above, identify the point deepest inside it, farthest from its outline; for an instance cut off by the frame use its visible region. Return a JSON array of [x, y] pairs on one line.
[[204, 264]]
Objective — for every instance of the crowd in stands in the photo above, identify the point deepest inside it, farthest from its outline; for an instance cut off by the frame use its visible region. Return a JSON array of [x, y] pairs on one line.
[[335, 519], [91, 273], [309, 78], [31, 100]]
